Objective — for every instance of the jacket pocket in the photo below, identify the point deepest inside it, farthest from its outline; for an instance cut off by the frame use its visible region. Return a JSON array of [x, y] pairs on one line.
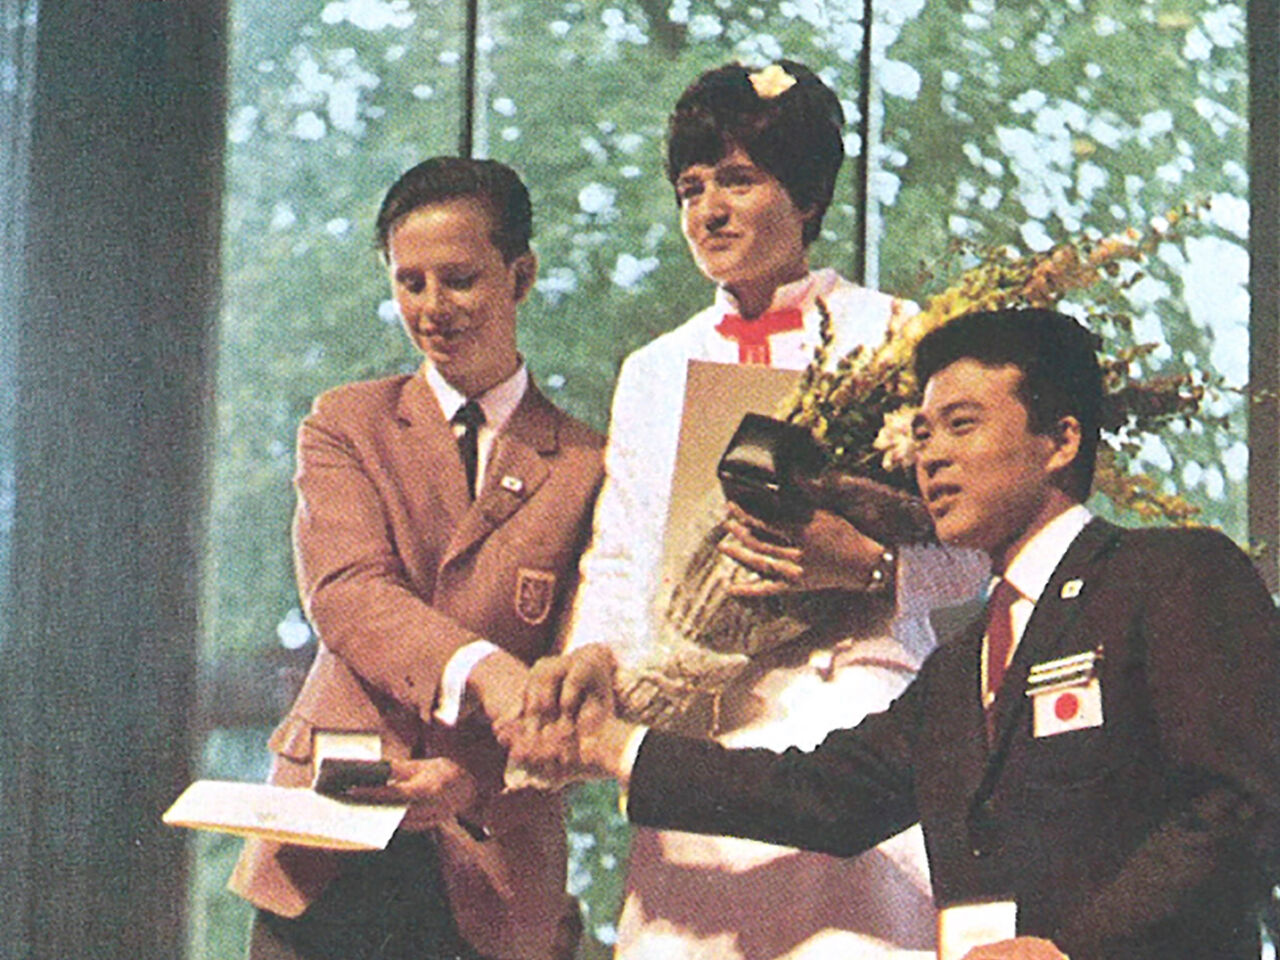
[[1064, 763]]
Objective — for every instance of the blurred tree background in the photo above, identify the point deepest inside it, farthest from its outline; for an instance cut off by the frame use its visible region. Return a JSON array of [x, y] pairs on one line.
[[1014, 122]]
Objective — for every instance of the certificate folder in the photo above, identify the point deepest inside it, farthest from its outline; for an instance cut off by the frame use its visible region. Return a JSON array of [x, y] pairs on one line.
[[288, 814]]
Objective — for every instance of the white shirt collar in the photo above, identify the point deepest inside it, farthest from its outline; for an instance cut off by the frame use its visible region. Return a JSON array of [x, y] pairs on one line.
[[1034, 564], [499, 402], [799, 293]]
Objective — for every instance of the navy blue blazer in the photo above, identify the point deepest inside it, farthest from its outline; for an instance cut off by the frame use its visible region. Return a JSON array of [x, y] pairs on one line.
[[1150, 836]]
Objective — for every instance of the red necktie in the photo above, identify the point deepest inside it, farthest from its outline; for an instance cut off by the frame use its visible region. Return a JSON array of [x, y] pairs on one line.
[[999, 636], [752, 336]]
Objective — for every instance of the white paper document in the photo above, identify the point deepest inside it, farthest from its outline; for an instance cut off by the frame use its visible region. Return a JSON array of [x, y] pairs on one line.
[[287, 814], [345, 745]]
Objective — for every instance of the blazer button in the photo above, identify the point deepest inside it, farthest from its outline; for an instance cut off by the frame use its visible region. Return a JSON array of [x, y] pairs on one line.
[[984, 830]]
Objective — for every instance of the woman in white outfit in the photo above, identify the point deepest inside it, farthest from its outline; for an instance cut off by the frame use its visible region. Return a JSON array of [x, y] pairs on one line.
[[753, 158]]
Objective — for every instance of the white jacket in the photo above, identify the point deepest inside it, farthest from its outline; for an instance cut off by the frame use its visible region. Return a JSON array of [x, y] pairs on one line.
[[691, 897]]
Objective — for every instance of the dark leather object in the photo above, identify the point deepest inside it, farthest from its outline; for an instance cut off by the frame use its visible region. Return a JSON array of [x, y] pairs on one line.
[[337, 775], [761, 465]]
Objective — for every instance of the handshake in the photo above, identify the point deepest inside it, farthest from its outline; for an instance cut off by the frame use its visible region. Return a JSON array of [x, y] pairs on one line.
[[567, 728], [557, 719]]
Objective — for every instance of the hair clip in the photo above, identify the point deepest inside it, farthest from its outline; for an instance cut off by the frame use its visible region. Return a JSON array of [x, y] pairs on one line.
[[772, 81]]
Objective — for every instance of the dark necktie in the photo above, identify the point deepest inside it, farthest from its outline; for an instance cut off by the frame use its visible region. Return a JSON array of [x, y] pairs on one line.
[[752, 336], [470, 415], [999, 638]]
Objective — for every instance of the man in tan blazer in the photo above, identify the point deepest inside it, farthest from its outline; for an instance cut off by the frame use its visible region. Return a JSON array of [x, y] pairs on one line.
[[434, 551]]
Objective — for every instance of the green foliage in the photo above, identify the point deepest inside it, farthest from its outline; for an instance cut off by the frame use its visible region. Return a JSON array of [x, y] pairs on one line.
[[1135, 107], [599, 840]]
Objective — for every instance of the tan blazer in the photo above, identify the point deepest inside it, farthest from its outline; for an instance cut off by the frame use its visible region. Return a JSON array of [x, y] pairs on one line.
[[397, 569]]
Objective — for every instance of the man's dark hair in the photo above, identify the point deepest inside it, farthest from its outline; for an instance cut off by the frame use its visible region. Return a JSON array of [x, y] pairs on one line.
[[795, 136], [493, 184], [1057, 357]]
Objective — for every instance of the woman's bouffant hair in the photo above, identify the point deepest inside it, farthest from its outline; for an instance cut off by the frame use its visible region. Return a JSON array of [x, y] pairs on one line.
[[795, 136]]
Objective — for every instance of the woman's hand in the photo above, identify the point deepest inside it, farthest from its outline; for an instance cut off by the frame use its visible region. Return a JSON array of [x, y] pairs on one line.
[[826, 552]]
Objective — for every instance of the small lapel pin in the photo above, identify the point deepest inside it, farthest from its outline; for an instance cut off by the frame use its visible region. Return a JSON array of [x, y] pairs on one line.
[[1071, 589], [512, 484]]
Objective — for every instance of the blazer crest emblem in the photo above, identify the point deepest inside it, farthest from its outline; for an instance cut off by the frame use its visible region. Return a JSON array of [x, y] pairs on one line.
[[535, 591]]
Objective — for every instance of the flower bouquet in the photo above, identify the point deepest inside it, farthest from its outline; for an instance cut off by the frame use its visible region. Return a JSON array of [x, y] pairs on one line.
[[861, 409]]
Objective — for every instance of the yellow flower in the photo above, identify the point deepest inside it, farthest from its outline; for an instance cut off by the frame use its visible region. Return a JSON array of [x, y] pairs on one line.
[[841, 402], [1116, 248], [772, 81], [896, 439]]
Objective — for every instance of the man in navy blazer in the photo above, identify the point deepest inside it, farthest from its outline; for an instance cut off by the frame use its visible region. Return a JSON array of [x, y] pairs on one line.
[[1096, 762]]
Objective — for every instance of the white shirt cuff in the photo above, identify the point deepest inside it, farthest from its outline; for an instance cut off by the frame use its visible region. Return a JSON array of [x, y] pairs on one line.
[[453, 682]]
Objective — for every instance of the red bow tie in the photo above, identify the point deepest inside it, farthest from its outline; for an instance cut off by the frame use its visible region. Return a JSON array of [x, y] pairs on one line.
[[752, 336]]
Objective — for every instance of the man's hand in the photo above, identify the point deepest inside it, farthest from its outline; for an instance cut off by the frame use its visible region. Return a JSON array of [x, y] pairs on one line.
[[827, 552], [436, 789], [559, 686], [1019, 948], [568, 729], [498, 682], [589, 747]]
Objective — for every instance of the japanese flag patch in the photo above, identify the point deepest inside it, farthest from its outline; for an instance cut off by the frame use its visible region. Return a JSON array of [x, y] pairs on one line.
[[1067, 707], [1065, 694]]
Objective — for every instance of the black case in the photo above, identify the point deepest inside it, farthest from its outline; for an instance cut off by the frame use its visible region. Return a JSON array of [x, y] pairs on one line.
[[337, 775], [759, 468]]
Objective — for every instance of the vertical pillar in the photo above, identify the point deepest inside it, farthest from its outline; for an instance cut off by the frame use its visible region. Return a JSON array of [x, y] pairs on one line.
[[114, 354], [467, 125], [1264, 284], [862, 167]]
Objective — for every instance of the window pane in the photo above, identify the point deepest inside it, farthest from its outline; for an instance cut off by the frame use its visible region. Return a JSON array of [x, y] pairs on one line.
[[1024, 123], [588, 136], [330, 101]]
